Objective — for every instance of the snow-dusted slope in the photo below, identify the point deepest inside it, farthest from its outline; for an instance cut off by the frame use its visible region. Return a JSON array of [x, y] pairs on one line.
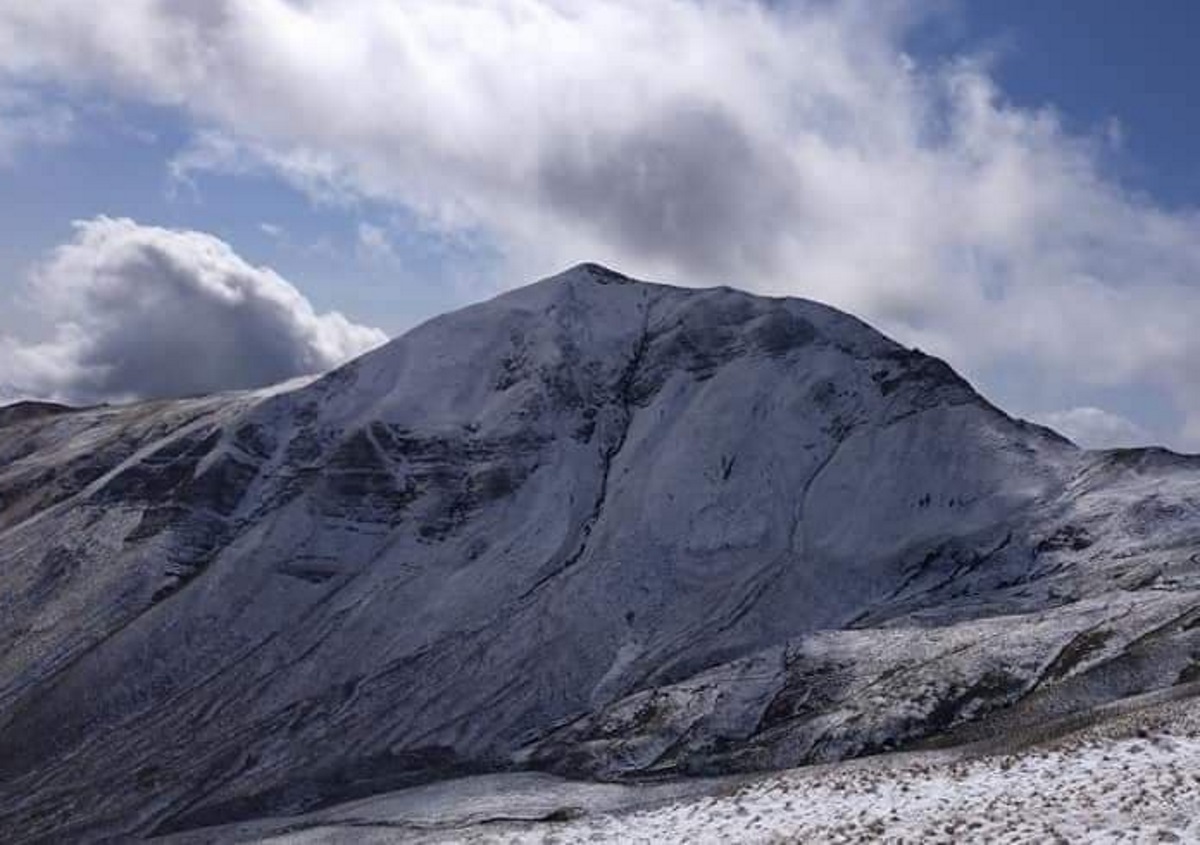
[[1130, 778], [594, 526]]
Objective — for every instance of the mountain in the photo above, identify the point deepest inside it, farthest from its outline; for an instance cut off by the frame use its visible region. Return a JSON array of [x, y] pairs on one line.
[[594, 526]]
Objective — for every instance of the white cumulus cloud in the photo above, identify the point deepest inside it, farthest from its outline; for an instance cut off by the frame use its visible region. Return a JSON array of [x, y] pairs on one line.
[[140, 311]]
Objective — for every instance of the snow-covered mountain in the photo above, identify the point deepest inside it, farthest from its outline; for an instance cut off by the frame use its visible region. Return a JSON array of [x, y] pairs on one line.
[[594, 526]]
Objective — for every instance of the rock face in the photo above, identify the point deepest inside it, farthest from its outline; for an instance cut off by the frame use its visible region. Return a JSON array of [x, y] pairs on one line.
[[593, 526]]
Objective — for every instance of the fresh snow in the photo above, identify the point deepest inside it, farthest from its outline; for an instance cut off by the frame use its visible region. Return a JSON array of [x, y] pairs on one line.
[[1132, 778]]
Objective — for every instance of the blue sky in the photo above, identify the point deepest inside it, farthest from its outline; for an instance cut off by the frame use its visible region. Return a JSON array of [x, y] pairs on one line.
[[1009, 185], [1095, 60]]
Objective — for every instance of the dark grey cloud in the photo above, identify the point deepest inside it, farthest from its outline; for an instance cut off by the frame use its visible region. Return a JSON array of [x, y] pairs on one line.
[[688, 185]]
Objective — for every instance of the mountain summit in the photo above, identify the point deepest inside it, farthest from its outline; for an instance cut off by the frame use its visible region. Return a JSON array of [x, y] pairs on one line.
[[594, 526]]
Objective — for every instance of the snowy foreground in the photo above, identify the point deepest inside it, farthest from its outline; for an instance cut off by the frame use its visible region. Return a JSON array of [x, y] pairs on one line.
[[1134, 778]]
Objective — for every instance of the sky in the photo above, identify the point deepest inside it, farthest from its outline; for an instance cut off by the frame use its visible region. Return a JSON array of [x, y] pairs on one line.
[[210, 196]]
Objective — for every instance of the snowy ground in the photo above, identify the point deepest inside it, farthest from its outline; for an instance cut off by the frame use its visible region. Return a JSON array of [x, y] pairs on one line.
[[1133, 778], [1132, 789]]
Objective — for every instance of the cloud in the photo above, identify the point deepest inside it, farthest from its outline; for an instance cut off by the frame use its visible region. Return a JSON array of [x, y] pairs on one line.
[[789, 148], [1096, 428], [26, 120], [143, 312], [374, 245]]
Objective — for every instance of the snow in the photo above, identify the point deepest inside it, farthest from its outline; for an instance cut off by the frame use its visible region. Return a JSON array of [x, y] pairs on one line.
[[1132, 778], [1098, 791]]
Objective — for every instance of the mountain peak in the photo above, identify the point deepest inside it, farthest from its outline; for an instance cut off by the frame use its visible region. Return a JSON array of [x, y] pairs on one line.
[[605, 527], [598, 273]]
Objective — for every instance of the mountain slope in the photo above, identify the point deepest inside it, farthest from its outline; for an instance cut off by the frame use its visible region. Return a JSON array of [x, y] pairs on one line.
[[595, 526]]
